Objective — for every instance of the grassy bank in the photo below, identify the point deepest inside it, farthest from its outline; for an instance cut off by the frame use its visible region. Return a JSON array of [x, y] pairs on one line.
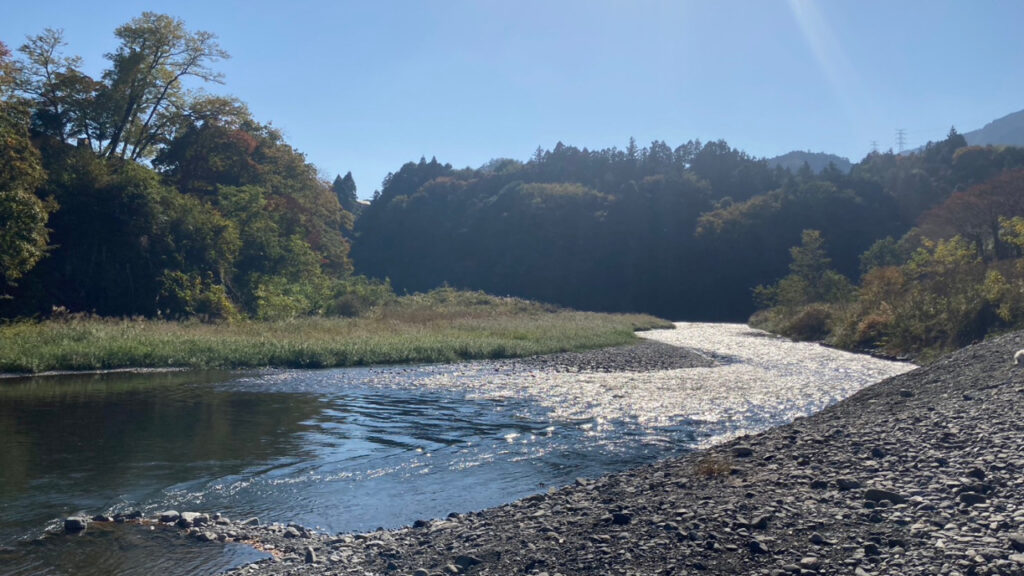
[[441, 326]]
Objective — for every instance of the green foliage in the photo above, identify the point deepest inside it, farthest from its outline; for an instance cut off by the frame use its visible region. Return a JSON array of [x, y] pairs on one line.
[[235, 221], [884, 252], [358, 295], [23, 235], [941, 297], [810, 279], [192, 296], [144, 94], [345, 190]]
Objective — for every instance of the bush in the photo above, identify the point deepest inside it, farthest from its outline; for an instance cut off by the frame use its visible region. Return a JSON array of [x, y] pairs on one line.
[[192, 296], [810, 322], [358, 295]]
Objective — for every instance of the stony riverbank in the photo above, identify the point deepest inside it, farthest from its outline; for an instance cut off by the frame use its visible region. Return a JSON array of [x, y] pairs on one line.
[[920, 474]]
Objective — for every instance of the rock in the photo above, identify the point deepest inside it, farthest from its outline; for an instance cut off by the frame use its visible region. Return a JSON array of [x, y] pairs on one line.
[[621, 518], [169, 516], [761, 522], [464, 561], [254, 521], [189, 519], [757, 547], [742, 451], [820, 540], [847, 483], [906, 393], [809, 562], [102, 518], [1018, 558], [75, 524], [878, 494], [121, 517], [310, 555], [420, 572], [1017, 542], [877, 453], [292, 532], [205, 536], [972, 498], [819, 484], [421, 524]]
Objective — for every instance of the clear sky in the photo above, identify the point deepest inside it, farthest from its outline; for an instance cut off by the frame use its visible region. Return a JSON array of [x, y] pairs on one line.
[[366, 86]]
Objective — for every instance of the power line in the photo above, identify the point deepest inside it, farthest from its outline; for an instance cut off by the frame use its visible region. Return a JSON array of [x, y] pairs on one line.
[[901, 140], [874, 146]]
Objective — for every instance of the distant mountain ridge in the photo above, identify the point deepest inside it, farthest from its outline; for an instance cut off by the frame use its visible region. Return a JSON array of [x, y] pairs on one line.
[[817, 161], [1005, 131]]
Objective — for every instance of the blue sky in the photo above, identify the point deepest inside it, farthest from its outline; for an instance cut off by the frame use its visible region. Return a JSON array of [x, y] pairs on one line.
[[366, 86]]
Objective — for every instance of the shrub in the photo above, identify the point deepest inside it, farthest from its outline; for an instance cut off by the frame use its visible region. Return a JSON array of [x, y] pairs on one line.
[[810, 322], [193, 296]]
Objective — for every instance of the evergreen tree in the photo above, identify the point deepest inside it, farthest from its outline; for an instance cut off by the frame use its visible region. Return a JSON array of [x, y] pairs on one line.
[[345, 190]]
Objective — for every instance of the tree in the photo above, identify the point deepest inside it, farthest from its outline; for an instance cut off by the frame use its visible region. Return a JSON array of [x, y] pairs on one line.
[[810, 279], [23, 234], [144, 86], [974, 214], [61, 93], [345, 190]]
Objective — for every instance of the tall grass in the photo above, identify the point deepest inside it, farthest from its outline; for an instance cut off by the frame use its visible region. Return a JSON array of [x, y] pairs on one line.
[[441, 326]]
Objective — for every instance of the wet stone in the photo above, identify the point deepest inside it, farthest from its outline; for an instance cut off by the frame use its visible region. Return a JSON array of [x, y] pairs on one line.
[[757, 547], [742, 451], [169, 516], [847, 483], [879, 494], [621, 518], [75, 524], [972, 498]]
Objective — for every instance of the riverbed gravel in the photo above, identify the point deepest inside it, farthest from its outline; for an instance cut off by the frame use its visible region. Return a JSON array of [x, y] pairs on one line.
[[922, 473], [644, 356]]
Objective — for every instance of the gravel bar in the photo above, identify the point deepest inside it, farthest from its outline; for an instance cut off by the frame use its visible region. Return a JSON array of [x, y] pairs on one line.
[[644, 356], [922, 473]]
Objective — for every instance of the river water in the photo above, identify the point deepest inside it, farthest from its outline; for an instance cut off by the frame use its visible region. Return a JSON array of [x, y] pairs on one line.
[[359, 448]]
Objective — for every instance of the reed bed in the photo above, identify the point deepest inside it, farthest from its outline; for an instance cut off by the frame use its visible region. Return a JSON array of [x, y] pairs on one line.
[[414, 329]]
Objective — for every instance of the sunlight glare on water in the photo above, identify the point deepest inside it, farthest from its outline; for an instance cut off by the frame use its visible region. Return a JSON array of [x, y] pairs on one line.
[[758, 381]]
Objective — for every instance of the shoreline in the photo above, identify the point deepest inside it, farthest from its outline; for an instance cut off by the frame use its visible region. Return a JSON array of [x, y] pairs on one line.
[[921, 473], [97, 372]]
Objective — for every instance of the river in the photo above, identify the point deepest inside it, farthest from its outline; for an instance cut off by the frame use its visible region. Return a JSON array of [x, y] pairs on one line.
[[360, 448]]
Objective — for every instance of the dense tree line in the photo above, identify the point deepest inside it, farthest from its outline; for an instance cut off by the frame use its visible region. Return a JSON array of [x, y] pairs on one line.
[[132, 195], [684, 233]]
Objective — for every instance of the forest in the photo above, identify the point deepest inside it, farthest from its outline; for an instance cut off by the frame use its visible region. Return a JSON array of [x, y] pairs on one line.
[[130, 195]]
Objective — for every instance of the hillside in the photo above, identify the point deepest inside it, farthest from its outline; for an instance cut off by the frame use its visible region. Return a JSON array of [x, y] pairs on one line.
[[1005, 131], [818, 161]]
